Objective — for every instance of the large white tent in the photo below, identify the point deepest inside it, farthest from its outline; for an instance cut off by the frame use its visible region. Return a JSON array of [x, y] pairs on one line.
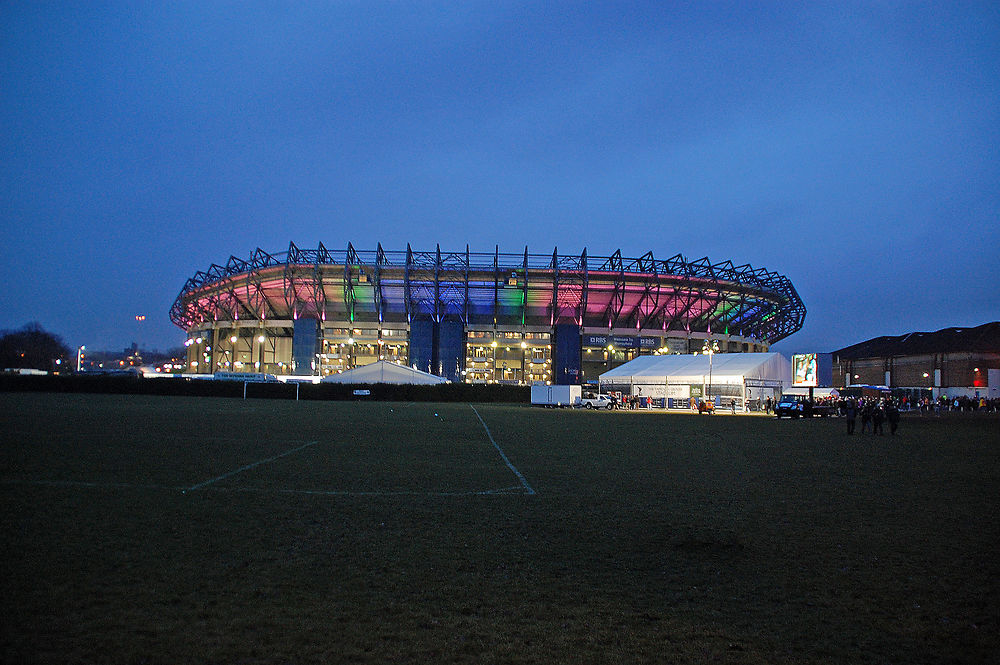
[[384, 371], [740, 376]]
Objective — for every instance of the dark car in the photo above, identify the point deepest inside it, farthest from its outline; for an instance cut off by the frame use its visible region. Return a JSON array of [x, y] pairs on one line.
[[791, 406]]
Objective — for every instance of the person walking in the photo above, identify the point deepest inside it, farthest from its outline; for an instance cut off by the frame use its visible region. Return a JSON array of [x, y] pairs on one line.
[[866, 416], [878, 416], [852, 415], [892, 415]]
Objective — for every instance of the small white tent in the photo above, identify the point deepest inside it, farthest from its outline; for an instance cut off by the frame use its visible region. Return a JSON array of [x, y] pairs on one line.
[[740, 376], [384, 371]]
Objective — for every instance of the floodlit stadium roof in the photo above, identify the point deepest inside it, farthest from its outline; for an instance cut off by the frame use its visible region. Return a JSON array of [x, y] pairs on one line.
[[495, 289]]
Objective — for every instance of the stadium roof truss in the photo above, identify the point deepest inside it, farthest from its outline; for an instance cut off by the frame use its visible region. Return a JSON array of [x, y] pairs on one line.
[[479, 289]]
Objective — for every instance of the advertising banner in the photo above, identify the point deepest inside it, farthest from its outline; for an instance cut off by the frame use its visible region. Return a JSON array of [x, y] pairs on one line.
[[621, 341], [804, 369], [649, 342], [661, 390]]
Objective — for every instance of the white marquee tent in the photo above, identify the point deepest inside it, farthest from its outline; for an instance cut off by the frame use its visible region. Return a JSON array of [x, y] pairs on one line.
[[384, 371], [740, 376]]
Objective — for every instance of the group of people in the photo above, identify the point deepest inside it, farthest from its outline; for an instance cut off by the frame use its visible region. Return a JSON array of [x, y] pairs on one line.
[[874, 413], [962, 403]]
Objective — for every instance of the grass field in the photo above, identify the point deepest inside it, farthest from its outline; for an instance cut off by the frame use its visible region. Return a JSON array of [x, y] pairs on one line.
[[184, 530]]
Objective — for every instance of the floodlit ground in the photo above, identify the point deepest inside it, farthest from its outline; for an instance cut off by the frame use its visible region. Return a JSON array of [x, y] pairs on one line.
[[175, 530]]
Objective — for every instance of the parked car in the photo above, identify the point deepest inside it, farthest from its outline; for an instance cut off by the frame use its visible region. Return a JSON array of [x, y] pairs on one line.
[[590, 401], [791, 406], [795, 406]]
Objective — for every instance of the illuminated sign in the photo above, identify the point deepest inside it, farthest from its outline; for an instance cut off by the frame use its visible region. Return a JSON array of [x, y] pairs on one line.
[[804, 369], [621, 341]]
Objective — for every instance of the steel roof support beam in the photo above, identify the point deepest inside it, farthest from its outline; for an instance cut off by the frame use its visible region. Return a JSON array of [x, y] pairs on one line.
[[690, 297], [380, 261], [524, 290], [255, 296], [496, 287], [554, 305], [437, 287], [617, 302], [645, 266], [349, 296], [465, 301]]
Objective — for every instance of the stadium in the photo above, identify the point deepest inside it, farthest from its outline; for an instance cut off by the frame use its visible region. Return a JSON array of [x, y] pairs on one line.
[[473, 317]]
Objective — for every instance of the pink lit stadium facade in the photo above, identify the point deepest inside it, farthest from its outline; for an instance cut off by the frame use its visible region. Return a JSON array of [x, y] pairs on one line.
[[474, 317]]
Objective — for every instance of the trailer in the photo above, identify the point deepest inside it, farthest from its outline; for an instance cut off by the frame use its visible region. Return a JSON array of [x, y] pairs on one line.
[[555, 396]]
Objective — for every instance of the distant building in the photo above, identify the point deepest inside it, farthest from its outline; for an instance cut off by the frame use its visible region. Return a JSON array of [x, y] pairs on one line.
[[953, 361]]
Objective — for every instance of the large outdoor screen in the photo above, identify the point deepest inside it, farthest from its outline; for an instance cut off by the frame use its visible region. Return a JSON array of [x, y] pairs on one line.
[[804, 369]]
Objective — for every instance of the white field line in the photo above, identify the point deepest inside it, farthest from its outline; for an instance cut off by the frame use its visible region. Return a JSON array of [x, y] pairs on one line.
[[374, 493], [503, 456], [261, 490], [502, 490], [250, 466], [81, 483]]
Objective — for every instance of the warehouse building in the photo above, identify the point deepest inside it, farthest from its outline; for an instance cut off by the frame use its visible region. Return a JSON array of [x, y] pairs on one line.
[[952, 361]]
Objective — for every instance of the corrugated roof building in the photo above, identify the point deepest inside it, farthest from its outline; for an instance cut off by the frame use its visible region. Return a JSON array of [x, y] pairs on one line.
[[952, 361]]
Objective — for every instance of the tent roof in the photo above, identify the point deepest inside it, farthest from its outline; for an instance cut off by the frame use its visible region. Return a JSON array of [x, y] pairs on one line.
[[723, 365], [384, 371]]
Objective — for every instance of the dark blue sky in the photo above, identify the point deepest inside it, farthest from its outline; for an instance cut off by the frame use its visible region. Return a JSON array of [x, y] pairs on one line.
[[851, 147]]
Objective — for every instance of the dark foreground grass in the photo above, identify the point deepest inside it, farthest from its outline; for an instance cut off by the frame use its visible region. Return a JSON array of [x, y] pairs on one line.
[[390, 534]]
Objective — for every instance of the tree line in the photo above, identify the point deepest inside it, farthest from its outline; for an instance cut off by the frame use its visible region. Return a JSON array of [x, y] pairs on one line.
[[32, 347]]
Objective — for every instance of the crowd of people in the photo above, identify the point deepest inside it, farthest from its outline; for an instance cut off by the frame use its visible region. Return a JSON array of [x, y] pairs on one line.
[[874, 414], [962, 403]]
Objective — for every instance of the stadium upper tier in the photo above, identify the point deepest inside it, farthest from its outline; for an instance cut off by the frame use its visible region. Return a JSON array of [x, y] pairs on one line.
[[495, 289]]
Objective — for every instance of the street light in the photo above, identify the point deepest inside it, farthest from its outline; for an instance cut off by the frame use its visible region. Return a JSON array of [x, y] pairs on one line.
[[711, 350], [260, 363]]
